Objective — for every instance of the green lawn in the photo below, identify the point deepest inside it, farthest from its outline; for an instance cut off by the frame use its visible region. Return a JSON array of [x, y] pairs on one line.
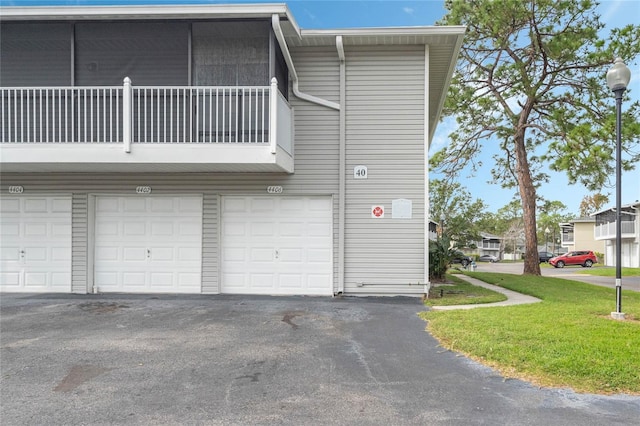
[[568, 340], [460, 292], [608, 271]]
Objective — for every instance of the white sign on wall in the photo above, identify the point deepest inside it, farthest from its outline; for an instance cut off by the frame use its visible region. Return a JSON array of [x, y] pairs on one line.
[[360, 172], [16, 189], [401, 209], [143, 190]]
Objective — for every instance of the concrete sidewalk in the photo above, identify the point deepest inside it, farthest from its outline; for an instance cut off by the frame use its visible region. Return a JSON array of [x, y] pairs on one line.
[[513, 298]]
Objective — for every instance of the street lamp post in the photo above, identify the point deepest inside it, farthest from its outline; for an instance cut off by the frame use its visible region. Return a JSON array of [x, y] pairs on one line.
[[617, 79], [546, 239]]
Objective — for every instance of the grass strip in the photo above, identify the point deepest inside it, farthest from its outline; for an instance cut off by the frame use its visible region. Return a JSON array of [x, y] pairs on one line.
[[459, 292], [567, 340], [608, 271]]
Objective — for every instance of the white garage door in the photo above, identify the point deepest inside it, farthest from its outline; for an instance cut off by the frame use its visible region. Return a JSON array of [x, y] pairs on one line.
[[277, 245], [35, 238], [148, 244]]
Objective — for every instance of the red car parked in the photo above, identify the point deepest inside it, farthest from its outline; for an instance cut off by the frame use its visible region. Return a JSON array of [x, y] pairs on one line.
[[584, 258]]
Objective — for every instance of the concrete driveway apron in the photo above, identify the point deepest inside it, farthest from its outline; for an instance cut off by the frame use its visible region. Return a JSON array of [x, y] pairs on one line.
[[230, 360]]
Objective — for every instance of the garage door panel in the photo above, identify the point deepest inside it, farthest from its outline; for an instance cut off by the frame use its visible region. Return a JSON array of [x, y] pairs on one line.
[[133, 254], [320, 204], [133, 205], [133, 280], [10, 279], [263, 281], [318, 281], [315, 229], [60, 280], [189, 254], [267, 244], [290, 281], [133, 229], [10, 229], [262, 205], [35, 205], [10, 254], [107, 205], [10, 205], [35, 279], [35, 230], [189, 229], [319, 256], [35, 239], [158, 240], [291, 255]]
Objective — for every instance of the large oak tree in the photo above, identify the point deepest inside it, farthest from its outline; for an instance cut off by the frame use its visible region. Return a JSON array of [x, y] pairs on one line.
[[531, 78]]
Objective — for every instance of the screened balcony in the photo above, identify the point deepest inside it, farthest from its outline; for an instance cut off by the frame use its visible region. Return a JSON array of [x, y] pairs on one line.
[[129, 128], [199, 97], [606, 222]]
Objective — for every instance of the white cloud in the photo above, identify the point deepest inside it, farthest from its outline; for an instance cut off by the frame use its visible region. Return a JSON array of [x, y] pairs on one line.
[[408, 10]]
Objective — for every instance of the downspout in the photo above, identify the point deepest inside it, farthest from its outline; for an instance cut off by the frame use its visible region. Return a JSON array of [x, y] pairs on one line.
[[427, 132], [277, 30], [342, 165]]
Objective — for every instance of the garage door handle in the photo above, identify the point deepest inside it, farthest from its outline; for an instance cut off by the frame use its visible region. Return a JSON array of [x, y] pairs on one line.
[[21, 253], [148, 253], [277, 254]]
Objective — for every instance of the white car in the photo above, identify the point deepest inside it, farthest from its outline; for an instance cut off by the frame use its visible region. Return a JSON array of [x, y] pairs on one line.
[[488, 258]]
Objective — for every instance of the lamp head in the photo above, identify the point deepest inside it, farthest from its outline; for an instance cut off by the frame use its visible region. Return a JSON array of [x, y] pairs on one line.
[[618, 76]]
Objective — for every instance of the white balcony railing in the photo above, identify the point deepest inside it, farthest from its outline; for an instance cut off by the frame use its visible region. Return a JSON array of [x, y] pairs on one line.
[[35, 122], [491, 246], [191, 114], [607, 231]]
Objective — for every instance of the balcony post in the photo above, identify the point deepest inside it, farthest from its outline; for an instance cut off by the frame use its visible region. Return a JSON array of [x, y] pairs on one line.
[[273, 115], [126, 114]]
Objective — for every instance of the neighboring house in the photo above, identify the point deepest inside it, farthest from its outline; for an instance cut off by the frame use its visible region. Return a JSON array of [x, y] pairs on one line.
[[490, 244], [433, 230], [215, 149], [578, 234], [605, 231]]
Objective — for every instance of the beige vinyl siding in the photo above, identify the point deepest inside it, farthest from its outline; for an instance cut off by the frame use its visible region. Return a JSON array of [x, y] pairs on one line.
[[79, 243], [210, 244], [316, 163], [385, 132], [584, 239], [317, 131]]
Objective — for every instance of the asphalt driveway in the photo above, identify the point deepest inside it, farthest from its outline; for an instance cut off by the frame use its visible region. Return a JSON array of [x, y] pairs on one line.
[[125, 359]]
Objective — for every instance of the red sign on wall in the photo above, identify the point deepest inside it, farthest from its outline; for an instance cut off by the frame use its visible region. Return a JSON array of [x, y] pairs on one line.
[[377, 212]]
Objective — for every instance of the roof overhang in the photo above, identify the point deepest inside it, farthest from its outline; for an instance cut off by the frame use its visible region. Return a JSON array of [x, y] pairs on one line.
[[444, 47], [149, 12], [631, 206]]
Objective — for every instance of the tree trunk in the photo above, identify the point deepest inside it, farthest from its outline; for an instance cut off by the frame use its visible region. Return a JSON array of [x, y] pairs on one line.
[[528, 197]]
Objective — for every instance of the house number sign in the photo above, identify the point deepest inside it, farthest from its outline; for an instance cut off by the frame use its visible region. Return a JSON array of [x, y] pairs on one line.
[[274, 190], [143, 190], [16, 189], [360, 172]]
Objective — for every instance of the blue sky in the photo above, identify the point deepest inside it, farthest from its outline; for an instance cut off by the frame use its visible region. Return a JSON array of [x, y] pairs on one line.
[[320, 14]]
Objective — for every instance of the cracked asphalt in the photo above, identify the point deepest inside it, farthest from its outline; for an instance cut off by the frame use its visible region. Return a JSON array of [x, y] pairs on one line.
[[238, 360]]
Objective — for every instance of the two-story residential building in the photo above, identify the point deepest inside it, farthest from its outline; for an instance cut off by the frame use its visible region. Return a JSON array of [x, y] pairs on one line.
[[605, 231], [490, 245], [579, 234], [215, 149]]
